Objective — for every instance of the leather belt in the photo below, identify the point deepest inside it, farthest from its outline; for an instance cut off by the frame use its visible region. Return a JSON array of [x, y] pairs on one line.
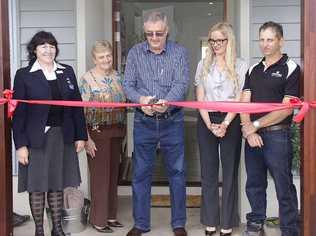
[[160, 116], [274, 128]]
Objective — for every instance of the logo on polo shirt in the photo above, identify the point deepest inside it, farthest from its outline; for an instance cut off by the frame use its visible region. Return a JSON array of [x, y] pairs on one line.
[[276, 74]]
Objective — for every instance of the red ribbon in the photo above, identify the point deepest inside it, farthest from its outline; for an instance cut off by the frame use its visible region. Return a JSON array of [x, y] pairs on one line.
[[11, 102], [304, 107], [236, 107]]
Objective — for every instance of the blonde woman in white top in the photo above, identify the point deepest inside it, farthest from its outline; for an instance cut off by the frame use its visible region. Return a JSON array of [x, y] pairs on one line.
[[219, 77]]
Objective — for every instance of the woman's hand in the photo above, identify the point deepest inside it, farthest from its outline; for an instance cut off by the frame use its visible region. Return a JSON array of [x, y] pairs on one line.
[[90, 147], [219, 130], [79, 145], [23, 155]]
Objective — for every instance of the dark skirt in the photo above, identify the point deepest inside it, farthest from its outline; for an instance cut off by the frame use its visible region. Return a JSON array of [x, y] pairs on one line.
[[53, 167]]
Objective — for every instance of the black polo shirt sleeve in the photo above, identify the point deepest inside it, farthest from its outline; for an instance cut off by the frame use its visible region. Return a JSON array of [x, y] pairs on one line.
[[292, 83], [247, 82]]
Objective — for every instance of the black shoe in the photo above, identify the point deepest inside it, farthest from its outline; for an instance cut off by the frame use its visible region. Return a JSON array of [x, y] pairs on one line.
[[60, 233], [136, 232], [254, 229], [39, 233], [105, 229], [19, 219], [115, 224], [209, 232]]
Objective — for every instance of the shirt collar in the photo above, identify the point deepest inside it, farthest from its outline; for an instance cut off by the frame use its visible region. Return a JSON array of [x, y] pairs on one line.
[[282, 60], [147, 49], [37, 66]]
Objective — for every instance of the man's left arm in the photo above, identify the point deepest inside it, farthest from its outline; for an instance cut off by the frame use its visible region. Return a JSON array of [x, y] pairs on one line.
[[181, 78], [276, 117], [179, 84], [291, 91]]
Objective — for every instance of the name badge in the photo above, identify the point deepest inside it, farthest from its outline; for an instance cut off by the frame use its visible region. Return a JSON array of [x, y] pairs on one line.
[[70, 85]]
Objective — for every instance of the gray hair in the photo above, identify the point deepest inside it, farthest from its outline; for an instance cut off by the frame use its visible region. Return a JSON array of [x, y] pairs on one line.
[[154, 16]]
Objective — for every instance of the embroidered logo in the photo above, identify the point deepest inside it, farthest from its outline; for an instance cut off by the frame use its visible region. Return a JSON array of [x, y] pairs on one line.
[[276, 74]]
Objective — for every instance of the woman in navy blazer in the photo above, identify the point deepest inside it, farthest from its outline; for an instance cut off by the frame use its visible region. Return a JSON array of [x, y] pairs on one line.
[[47, 138]]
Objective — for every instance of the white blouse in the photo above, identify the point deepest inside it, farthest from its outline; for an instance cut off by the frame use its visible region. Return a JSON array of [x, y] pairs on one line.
[[217, 86]]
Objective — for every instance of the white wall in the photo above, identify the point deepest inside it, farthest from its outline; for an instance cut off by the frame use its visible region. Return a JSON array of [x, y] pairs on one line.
[[57, 17], [286, 12], [95, 29], [94, 22]]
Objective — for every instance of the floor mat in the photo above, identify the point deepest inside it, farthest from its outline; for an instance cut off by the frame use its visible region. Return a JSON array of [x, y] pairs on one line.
[[193, 201]]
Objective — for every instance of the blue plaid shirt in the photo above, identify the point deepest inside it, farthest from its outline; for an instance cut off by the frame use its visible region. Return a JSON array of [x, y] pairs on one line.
[[164, 75]]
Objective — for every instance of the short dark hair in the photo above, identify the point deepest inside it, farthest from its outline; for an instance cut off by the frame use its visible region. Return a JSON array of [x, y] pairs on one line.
[[40, 38], [277, 28]]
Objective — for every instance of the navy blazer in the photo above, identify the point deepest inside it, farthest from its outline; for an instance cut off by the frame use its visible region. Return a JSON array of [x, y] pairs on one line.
[[29, 120]]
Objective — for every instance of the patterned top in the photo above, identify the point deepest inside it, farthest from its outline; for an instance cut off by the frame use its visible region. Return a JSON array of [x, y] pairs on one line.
[[164, 75], [102, 89]]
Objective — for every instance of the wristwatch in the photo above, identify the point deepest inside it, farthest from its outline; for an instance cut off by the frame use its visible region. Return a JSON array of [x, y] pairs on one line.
[[256, 124]]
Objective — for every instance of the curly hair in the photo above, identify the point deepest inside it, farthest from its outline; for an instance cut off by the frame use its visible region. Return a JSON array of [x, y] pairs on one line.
[[40, 38], [230, 56]]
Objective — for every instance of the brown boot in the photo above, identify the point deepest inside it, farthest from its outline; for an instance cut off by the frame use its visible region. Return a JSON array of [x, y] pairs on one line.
[[180, 232], [135, 232]]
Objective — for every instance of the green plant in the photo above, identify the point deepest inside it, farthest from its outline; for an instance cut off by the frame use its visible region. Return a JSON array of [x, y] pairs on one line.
[[296, 142]]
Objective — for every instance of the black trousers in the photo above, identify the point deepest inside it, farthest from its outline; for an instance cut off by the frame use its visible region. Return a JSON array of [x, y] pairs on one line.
[[212, 150]]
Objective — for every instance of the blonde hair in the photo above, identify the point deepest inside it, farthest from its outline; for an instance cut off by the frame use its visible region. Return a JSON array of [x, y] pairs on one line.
[[230, 56], [101, 46]]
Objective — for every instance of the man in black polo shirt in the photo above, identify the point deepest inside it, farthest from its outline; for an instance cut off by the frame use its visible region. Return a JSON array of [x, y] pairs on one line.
[[268, 147]]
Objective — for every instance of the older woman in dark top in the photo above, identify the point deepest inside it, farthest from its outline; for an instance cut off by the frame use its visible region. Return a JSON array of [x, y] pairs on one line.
[[47, 138]]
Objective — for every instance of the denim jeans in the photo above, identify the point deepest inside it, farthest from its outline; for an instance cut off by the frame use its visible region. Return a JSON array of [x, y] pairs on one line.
[[169, 134], [276, 156]]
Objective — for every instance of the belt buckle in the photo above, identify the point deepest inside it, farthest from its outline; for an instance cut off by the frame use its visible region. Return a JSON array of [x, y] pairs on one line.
[[161, 116]]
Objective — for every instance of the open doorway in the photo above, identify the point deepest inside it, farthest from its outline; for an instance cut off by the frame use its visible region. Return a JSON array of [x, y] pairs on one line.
[[189, 22]]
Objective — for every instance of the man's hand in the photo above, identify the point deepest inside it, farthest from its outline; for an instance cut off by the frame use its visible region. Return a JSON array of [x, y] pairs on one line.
[[146, 109], [90, 147], [79, 145], [247, 129], [255, 140], [23, 155], [160, 108]]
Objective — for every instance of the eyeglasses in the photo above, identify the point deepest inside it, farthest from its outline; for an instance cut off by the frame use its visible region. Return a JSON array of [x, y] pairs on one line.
[[218, 42], [158, 34]]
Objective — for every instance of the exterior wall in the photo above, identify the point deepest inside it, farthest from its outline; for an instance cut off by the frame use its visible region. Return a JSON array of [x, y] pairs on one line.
[[286, 12], [57, 17]]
